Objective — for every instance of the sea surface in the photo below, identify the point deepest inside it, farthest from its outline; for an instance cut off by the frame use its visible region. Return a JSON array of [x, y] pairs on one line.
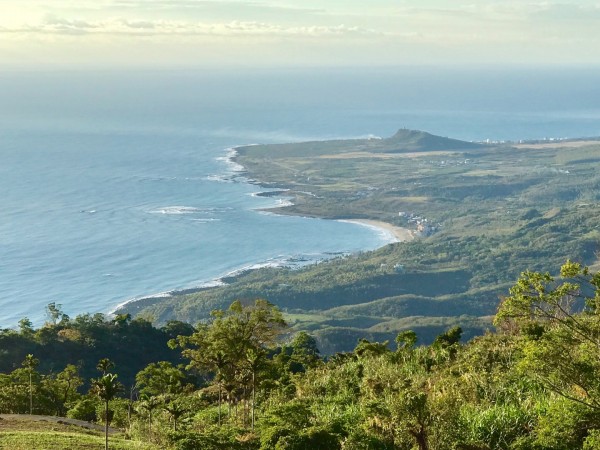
[[116, 185]]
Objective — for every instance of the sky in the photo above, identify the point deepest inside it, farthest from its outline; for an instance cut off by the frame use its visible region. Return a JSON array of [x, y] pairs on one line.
[[269, 33]]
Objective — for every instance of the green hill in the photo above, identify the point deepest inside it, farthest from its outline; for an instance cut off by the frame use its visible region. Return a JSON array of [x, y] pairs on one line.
[[421, 141], [403, 141]]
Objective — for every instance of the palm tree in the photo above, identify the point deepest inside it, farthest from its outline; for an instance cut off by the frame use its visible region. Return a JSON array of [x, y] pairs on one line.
[[149, 405], [220, 361], [106, 388], [104, 365], [175, 407], [254, 359], [30, 363]]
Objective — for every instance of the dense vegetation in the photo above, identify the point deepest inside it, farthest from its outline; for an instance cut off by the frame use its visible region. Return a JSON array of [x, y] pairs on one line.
[[84, 340], [497, 210], [532, 384], [408, 364]]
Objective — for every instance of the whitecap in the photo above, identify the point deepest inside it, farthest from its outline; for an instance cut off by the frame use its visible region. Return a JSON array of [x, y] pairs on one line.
[[219, 178], [206, 220], [228, 159], [176, 210]]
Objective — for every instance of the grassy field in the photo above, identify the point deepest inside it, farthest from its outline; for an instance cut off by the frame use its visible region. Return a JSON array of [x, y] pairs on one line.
[[26, 434], [487, 212]]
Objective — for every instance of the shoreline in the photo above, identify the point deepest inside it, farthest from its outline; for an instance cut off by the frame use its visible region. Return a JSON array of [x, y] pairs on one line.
[[393, 234], [398, 234], [293, 261]]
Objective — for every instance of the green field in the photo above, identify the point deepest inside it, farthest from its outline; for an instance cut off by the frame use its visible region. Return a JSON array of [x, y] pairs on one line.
[[491, 213]]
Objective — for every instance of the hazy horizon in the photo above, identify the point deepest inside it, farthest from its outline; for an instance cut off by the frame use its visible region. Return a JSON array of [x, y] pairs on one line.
[[229, 33]]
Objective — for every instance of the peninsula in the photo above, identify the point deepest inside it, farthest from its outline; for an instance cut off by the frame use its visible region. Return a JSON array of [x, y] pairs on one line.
[[473, 217]]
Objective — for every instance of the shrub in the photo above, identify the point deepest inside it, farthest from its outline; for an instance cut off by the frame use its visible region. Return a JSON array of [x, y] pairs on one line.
[[84, 409]]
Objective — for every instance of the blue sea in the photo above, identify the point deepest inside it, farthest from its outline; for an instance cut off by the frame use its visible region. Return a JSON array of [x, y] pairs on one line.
[[116, 185]]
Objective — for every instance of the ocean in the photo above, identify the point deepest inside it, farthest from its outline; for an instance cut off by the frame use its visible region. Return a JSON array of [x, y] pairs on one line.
[[115, 185]]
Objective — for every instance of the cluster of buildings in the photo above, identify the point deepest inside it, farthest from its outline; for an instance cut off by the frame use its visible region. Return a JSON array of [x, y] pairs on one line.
[[424, 228]]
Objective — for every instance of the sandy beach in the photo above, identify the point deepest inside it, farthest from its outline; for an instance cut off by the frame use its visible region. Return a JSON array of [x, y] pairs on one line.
[[399, 233]]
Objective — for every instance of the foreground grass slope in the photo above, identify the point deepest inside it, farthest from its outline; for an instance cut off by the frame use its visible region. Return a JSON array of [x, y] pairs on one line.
[[27, 434], [489, 212]]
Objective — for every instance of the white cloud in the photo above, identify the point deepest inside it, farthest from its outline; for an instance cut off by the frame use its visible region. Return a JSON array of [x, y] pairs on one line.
[[121, 26]]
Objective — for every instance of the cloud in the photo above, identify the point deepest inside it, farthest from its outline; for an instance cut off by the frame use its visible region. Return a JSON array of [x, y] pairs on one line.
[[173, 8], [202, 4], [120, 26], [515, 11], [276, 31]]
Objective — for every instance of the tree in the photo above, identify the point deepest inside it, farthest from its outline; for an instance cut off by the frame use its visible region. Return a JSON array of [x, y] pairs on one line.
[[232, 346], [448, 338], [254, 360], [62, 388], [176, 408], [406, 340], [54, 314], [26, 327], [560, 321], [160, 378], [104, 365], [122, 320], [30, 363], [106, 388], [366, 348], [305, 350], [149, 405]]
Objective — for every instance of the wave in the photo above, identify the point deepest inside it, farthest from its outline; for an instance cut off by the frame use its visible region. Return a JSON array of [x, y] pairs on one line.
[[282, 203], [292, 262], [206, 220], [220, 178], [229, 159], [181, 210], [279, 203], [176, 210]]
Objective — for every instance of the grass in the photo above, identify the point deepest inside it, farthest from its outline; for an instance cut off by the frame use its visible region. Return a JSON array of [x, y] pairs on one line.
[[26, 434]]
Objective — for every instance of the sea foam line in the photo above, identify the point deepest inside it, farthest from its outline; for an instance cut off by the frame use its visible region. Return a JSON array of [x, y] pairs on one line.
[[294, 262]]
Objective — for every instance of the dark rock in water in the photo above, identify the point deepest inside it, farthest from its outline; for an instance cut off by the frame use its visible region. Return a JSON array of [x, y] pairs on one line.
[[271, 193]]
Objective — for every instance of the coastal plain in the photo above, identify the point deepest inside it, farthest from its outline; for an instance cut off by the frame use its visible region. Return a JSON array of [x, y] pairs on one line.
[[469, 218]]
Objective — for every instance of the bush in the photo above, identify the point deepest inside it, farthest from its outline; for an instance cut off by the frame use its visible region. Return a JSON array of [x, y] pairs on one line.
[[592, 442], [497, 426], [117, 413], [566, 425], [84, 409], [224, 438], [361, 440], [311, 438]]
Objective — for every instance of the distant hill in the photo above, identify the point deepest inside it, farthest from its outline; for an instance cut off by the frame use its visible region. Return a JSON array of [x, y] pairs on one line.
[[404, 140], [421, 141]]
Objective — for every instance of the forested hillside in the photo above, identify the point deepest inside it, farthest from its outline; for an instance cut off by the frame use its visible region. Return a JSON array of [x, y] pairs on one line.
[[84, 340], [532, 384]]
